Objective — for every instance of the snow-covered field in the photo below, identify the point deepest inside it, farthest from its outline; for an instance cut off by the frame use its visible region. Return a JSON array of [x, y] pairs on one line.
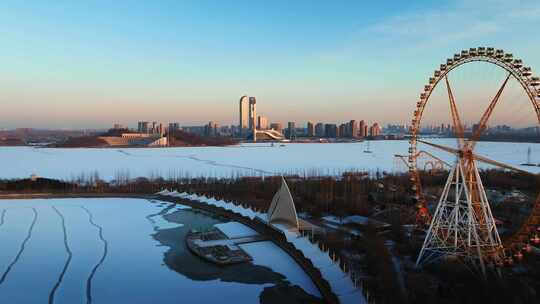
[[247, 159], [34, 256]]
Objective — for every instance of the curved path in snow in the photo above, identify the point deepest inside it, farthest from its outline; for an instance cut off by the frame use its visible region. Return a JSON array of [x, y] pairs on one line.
[[21, 249], [68, 260], [2, 217], [101, 260]]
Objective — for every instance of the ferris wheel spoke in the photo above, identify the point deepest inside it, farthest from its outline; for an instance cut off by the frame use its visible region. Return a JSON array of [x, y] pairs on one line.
[[482, 124], [440, 147], [458, 126], [499, 164], [476, 157]]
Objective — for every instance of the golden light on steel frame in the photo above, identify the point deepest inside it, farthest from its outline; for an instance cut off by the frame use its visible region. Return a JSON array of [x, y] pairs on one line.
[[466, 157]]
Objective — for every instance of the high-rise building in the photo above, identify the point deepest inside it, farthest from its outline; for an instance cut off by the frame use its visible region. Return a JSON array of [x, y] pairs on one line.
[[343, 130], [174, 126], [353, 127], [243, 122], [277, 126], [310, 129], [142, 126], [330, 130], [375, 130], [319, 129], [252, 113], [211, 129], [291, 130], [262, 123], [363, 128]]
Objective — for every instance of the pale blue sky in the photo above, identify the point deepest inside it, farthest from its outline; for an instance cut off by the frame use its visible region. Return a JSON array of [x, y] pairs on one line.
[[91, 63]]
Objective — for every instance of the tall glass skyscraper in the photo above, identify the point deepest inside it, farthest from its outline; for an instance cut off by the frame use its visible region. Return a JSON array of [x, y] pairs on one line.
[[243, 123]]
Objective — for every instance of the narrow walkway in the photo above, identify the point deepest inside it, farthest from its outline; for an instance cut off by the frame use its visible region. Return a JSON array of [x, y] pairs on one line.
[[231, 241]]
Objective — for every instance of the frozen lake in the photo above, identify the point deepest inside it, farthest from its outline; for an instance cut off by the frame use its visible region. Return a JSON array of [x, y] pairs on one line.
[[246, 159], [114, 250]]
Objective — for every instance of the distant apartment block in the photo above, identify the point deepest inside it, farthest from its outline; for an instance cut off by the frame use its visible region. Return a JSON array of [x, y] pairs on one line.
[[173, 126], [262, 123], [375, 130], [142, 126], [291, 130], [310, 129], [330, 130], [319, 130], [363, 128]]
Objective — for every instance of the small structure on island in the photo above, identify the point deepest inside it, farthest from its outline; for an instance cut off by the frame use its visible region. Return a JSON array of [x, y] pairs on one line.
[[282, 208]]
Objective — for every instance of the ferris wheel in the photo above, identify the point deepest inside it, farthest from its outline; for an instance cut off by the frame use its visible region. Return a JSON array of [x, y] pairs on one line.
[[462, 224]]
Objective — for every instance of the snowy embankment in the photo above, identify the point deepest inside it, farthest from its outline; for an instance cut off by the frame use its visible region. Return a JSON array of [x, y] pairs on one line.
[[340, 281]]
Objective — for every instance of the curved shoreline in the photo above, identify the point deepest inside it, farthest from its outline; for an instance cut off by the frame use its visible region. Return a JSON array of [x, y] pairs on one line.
[[279, 239]]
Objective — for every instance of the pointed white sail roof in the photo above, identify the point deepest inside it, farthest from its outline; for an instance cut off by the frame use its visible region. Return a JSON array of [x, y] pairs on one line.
[[282, 207]]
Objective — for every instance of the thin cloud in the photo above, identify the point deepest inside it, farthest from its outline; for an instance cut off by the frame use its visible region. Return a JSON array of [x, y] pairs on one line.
[[461, 23]]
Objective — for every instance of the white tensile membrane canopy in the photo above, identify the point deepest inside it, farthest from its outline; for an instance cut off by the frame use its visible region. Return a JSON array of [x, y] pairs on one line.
[[282, 208]]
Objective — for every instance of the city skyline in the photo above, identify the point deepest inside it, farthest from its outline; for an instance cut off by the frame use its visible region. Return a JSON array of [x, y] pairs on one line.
[[74, 65]]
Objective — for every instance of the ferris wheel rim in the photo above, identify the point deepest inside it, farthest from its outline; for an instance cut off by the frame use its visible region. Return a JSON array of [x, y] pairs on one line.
[[515, 67], [522, 73]]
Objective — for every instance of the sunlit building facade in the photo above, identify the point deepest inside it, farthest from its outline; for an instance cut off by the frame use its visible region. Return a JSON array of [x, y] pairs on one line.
[[243, 122]]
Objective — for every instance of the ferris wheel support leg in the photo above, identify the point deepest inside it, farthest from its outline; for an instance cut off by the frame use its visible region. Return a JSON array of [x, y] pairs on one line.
[[463, 226], [433, 227]]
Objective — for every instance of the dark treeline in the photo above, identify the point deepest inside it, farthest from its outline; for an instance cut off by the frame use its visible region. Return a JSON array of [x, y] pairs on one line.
[[347, 194], [37, 185], [179, 138], [78, 142]]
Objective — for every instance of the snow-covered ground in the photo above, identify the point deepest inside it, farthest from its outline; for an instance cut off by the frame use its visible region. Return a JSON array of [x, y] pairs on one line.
[[340, 282], [133, 270], [353, 219], [235, 230], [246, 159], [270, 255]]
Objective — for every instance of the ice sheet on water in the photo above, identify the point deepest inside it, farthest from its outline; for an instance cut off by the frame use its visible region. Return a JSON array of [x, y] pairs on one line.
[[324, 159], [131, 252]]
